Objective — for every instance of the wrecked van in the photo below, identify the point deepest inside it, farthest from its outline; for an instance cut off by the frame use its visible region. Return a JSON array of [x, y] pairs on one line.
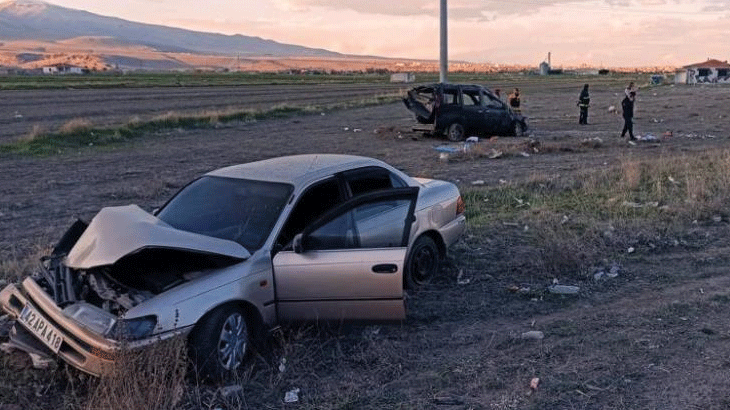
[[235, 252], [459, 110]]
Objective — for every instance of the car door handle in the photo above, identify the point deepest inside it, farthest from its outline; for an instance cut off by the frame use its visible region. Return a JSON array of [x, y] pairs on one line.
[[385, 268]]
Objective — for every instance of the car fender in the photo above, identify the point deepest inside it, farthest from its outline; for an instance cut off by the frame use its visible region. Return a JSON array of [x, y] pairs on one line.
[[184, 305]]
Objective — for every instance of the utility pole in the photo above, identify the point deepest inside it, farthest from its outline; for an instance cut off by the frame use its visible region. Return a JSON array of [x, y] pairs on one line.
[[444, 61]]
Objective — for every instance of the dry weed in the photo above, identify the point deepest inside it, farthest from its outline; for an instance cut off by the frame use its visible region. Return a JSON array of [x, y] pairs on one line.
[[35, 133], [75, 125], [151, 378]]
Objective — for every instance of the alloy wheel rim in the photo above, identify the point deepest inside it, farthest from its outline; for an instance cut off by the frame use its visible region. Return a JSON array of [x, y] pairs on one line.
[[232, 342]]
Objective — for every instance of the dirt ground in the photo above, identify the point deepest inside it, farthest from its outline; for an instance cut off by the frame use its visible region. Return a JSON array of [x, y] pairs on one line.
[[655, 337]]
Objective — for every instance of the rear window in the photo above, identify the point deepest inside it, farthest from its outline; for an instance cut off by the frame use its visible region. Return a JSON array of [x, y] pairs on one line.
[[239, 210]]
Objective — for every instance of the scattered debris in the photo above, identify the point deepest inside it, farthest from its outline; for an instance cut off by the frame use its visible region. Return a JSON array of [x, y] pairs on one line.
[[563, 289], [357, 130], [612, 109], [472, 139], [292, 396], [18, 115], [534, 383], [667, 135], [460, 279], [564, 220], [524, 154], [478, 182], [533, 335], [717, 218], [631, 249], [647, 138], [282, 365], [495, 154]]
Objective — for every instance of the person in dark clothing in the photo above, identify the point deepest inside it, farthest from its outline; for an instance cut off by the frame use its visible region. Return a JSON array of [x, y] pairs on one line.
[[584, 101], [627, 105], [514, 100]]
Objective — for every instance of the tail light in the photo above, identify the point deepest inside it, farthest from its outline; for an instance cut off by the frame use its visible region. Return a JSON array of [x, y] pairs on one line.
[[460, 206]]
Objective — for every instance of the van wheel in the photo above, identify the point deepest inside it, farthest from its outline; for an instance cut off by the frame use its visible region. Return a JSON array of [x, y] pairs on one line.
[[455, 132], [221, 342], [519, 129]]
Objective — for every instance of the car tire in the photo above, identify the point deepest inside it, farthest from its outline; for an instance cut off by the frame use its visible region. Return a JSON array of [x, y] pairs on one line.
[[455, 132], [422, 263], [221, 342], [519, 129]]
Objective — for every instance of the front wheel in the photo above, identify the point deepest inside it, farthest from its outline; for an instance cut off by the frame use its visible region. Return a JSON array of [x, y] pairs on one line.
[[519, 129], [422, 263], [221, 342], [455, 132]]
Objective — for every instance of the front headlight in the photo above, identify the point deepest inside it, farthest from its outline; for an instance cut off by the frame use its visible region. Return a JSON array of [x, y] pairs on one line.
[[133, 329]]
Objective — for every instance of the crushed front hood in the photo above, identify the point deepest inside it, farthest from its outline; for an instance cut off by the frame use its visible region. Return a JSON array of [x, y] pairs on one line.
[[116, 232]]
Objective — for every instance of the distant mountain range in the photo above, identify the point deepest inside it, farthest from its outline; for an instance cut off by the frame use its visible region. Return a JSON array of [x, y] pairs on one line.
[[39, 21]]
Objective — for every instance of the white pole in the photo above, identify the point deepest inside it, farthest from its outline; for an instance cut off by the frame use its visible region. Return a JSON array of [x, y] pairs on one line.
[[443, 62]]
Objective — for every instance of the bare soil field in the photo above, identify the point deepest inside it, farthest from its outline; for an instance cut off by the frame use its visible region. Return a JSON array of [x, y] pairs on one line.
[[20, 111], [655, 336]]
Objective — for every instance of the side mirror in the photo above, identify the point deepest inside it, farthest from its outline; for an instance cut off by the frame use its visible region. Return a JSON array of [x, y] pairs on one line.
[[298, 243]]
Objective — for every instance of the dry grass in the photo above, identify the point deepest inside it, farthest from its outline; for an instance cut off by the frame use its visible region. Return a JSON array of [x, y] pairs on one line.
[[75, 126], [38, 131], [152, 378]]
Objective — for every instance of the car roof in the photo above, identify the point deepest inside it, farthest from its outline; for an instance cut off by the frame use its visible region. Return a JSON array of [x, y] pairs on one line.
[[296, 169]]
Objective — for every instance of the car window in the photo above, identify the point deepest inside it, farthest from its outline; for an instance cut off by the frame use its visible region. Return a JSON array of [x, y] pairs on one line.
[[450, 97], [471, 97], [313, 203], [493, 102], [364, 180], [378, 224], [240, 210]]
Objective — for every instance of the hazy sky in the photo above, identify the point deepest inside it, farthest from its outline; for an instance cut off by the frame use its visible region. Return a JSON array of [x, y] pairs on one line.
[[595, 32]]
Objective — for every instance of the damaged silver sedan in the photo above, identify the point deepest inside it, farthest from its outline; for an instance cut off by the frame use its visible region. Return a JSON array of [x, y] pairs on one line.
[[233, 253]]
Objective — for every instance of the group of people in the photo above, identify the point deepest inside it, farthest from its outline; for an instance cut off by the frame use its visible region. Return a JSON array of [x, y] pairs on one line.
[[627, 107], [513, 99]]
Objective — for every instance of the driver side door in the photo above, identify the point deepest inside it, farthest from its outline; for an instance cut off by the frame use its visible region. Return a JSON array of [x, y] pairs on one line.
[[348, 265]]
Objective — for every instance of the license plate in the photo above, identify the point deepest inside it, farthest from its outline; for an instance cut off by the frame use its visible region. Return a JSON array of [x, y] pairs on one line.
[[41, 328]]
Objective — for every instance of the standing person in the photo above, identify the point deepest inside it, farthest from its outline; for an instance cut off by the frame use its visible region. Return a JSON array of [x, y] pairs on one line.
[[628, 111], [514, 100], [584, 101], [629, 88]]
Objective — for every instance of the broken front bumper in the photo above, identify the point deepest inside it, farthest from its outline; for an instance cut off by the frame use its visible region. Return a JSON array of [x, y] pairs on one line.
[[43, 320], [77, 345]]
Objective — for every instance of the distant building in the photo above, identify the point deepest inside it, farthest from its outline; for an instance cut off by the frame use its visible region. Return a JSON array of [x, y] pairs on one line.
[[402, 78], [707, 72], [64, 69]]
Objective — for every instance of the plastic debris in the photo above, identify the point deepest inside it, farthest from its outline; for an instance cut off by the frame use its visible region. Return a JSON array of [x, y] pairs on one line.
[[533, 335], [357, 130], [563, 289], [282, 365], [631, 249], [292, 396], [717, 218], [472, 139], [478, 182], [460, 279], [534, 383]]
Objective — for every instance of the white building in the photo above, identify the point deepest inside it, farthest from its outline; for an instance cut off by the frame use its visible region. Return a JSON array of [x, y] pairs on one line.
[[707, 72], [402, 78]]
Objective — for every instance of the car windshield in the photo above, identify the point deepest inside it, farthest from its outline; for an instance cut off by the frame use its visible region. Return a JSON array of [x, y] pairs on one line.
[[240, 210]]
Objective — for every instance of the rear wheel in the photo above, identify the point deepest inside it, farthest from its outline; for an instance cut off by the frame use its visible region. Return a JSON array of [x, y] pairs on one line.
[[221, 342], [423, 262], [455, 132]]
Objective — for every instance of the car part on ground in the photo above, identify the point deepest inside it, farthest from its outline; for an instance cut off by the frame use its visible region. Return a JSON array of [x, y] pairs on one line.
[[313, 237], [460, 110]]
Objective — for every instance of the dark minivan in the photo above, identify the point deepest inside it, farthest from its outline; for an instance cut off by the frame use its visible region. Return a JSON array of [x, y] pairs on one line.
[[458, 110]]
